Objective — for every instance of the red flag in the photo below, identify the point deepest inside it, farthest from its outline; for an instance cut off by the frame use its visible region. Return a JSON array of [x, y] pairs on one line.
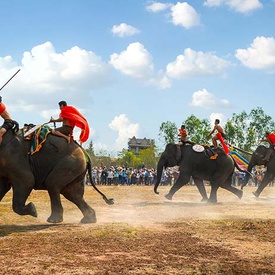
[[225, 147], [78, 120]]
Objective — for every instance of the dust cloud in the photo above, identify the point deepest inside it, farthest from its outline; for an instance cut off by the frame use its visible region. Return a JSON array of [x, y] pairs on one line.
[[139, 205]]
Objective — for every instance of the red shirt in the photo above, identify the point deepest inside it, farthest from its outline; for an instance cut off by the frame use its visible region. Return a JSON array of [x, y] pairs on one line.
[[76, 119], [2, 108], [183, 132], [272, 138]]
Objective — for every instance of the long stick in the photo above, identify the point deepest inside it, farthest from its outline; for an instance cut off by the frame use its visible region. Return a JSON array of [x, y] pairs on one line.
[[241, 150], [10, 79]]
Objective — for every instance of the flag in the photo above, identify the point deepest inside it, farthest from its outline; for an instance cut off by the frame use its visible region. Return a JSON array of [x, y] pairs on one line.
[[78, 120]]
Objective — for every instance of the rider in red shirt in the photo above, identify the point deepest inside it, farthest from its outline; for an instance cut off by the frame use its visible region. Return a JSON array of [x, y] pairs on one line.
[[70, 117], [8, 122], [183, 136], [270, 138]]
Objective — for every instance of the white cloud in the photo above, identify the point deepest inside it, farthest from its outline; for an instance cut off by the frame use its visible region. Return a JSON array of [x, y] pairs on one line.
[[134, 61], [75, 66], [193, 63], [7, 63], [123, 30], [213, 3], [157, 7], [125, 129], [184, 15], [47, 76], [137, 62], [260, 54], [99, 146], [206, 100], [241, 6]]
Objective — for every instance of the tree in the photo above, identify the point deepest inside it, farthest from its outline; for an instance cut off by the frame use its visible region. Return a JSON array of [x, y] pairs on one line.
[[102, 157], [168, 132], [197, 129], [148, 157], [128, 158], [235, 130], [246, 130], [90, 149]]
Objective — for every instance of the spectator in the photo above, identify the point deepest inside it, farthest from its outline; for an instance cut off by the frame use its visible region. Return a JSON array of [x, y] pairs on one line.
[[110, 176], [104, 176], [128, 175]]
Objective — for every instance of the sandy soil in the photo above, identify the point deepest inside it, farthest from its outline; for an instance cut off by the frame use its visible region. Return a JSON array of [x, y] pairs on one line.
[[143, 233]]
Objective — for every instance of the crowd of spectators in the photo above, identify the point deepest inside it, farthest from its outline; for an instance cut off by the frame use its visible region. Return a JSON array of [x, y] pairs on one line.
[[122, 175]]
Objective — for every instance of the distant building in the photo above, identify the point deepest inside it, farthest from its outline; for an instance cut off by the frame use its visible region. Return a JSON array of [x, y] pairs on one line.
[[137, 144]]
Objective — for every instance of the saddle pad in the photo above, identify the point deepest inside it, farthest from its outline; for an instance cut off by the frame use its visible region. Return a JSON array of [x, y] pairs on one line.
[[198, 148], [39, 138]]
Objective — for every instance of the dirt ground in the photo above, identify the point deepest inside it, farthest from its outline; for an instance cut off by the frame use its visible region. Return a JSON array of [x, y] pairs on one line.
[[143, 233]]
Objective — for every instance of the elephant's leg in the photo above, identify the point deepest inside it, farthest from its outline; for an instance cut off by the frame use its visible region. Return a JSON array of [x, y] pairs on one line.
[[213, 192], [56, 181], [56, 206], [182, 180], [227, 185], [74, 192], [200, 185], [4, 188], [266, 180], [22, 184]]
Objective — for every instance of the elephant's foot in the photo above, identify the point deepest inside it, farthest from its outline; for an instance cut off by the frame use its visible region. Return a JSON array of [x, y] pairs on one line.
[[31, 209], [256, 194], [240, 194], [168, 197], [91, 219], [28, 209], [204, 199], [55, 219], [212, 201]]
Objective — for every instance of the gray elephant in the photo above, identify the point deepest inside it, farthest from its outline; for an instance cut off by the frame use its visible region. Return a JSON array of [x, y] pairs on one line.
[[199, 165], [257, 158], [58, 167]]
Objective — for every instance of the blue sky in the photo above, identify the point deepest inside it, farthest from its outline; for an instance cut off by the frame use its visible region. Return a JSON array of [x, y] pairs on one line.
[[129, 65]]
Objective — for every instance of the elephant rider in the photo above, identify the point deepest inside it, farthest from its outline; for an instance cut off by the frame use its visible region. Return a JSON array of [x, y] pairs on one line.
[[219, 136], [70, 117], [183, 134], [270, 138], [8, 122]]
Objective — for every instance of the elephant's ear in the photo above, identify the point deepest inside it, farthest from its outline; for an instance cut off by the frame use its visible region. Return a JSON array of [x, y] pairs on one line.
[[170, 150], [177, 153]]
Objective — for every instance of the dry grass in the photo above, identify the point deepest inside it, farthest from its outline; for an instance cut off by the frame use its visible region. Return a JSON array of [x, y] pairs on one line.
[[143, 233]]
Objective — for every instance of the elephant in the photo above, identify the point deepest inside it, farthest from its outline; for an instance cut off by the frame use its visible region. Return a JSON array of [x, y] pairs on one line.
[[201, 167], [257, 159], [58, 167]]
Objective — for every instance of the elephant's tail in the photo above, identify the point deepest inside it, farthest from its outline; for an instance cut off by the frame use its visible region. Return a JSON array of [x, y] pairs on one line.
[[89, 168]]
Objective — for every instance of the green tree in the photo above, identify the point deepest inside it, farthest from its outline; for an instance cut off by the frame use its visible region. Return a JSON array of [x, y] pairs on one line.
[[168, 132], [197, 129], [90, 149], [128, 159], [102, 157], [235, 130], [148, 157], [246, 130]]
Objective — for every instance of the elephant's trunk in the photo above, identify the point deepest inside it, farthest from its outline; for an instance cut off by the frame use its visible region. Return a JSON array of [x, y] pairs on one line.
[[160, 166], [248, 174]]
